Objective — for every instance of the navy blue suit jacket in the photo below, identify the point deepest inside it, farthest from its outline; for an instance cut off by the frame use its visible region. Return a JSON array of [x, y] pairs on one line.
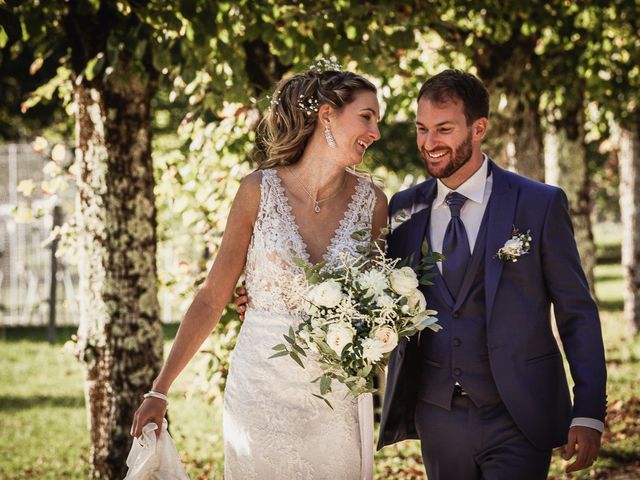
[[525, 359]]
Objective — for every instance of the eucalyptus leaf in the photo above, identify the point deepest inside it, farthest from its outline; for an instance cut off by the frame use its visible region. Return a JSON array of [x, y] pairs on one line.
[[279, 354], [325, 384], [296, 358], [324, 400]]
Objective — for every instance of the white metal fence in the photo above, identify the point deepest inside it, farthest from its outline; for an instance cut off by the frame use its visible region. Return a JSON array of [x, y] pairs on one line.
[[25, 263]]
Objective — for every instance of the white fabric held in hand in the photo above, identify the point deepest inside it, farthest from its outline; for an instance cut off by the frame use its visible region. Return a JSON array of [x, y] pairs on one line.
[[154, 459]]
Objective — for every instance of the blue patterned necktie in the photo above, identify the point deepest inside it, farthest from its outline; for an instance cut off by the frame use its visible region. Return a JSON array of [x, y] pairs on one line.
[[455, 245]]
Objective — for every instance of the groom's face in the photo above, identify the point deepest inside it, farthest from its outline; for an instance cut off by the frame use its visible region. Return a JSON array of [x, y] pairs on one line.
[[443, 136]]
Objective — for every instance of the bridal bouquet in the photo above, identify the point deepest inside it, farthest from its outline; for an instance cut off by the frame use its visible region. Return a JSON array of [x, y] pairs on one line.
[[355, 314]]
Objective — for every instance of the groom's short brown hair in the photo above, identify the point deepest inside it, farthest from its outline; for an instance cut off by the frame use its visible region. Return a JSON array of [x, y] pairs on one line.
[[456, 85]]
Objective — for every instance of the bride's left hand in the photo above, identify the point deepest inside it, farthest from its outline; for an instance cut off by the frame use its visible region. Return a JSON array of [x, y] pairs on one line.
[[151, 410]]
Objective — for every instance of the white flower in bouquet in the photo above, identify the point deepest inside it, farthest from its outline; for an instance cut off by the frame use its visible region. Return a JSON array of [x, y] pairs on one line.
[[403, 280], [416, 301], [359, 309], [326, 294], [387, 336], [385, 301], [339, 335], [372, 350], [373, 281]]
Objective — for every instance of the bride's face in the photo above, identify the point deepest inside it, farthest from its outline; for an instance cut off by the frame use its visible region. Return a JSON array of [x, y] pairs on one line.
[[355, 127]]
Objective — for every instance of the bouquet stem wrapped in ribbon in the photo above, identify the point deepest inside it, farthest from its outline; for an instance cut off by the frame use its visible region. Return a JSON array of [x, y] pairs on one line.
[[356, 312]]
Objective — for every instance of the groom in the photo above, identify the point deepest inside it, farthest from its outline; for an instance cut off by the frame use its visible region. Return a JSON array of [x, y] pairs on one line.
[[487, 395]]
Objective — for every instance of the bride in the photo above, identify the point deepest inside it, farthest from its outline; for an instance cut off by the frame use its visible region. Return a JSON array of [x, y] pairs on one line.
[[302, 202]]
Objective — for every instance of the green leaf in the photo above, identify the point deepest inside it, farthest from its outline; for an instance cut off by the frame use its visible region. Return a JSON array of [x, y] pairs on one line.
[[279, 354], [324, 399], [298, 349], [300, 262], [363, 372], [425, 247], [4, 38], [325, 384], [295, 357], [280, 346]]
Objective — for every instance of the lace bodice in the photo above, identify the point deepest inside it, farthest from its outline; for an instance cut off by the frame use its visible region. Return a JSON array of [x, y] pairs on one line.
[[273, 280]]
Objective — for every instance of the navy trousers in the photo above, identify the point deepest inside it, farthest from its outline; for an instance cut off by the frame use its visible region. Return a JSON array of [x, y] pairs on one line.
[[470, 443]]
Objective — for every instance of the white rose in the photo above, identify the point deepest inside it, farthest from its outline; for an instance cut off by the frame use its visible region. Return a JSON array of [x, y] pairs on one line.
[[416, 301], [326, 294], [374, 282], [513, 246], [372, 349], [403, 280], [339, 335], [387, 336]]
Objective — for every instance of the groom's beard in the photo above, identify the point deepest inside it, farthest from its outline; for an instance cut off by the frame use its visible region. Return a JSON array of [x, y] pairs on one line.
[[460, 155]]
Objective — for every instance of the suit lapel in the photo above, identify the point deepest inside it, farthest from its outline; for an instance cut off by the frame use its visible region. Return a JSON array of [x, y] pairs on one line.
[[501, 214]]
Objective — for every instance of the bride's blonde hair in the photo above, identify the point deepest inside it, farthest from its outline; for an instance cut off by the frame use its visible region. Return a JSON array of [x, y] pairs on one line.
[[293, 115]]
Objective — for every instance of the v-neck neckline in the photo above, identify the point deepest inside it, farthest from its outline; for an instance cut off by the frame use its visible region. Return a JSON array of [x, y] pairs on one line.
[[296, 227]]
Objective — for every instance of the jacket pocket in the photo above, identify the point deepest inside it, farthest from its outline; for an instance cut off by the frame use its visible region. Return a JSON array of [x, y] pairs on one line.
[[542, 358]]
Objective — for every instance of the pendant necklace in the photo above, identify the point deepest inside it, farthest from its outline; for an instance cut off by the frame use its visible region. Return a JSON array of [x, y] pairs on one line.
[[316, 202]]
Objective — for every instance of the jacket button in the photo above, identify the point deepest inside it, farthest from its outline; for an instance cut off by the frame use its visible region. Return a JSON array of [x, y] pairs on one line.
[[456, 314], [457, 372], [457, 342]]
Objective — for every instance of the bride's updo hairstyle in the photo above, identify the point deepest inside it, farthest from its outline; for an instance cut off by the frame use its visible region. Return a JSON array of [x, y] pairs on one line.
[[294, 109]]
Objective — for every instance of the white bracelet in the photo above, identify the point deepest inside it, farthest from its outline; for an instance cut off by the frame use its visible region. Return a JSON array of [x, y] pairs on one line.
[[159, 395]]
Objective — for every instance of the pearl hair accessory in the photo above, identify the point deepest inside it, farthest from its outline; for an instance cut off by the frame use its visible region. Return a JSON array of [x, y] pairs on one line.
[[310, 106]]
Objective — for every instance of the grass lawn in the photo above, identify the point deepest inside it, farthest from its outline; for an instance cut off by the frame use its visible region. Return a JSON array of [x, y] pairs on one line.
[[43, 432]]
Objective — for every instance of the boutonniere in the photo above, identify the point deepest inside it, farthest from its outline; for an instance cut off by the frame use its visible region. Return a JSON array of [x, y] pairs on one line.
[[399, 218], [519, 244]]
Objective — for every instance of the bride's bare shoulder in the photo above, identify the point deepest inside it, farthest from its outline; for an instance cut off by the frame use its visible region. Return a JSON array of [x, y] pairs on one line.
[[248, 194]]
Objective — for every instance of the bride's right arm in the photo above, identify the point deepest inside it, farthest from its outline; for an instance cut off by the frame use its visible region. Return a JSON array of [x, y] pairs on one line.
[[204, 312]]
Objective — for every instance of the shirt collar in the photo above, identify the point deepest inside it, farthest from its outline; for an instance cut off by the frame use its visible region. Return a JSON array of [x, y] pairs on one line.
[[473, 188]]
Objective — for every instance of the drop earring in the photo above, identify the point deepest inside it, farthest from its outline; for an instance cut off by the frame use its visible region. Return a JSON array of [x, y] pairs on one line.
[[329, 136]]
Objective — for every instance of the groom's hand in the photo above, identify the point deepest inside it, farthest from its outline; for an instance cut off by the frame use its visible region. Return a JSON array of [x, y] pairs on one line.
[[241, 299], [587, 443]]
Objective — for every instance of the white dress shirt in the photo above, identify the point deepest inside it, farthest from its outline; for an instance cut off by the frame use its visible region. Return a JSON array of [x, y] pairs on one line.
[[477, 189]]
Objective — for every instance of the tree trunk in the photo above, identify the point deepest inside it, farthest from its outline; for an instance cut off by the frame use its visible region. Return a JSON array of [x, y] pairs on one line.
[[526, 138], [566, 164], [516, 135], [630, 213], [120, 334]]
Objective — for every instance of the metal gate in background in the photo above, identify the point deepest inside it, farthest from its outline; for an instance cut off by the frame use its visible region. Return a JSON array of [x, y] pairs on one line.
[[30, 282]]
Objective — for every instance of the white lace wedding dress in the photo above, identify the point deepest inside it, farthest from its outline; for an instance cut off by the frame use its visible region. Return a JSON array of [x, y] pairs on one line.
[[274, 428]]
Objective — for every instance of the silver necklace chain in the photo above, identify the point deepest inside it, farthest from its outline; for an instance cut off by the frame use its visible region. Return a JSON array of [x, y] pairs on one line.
[[316, 202]]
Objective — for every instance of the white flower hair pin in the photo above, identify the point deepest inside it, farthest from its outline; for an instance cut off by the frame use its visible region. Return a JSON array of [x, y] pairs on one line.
[[519, 244], [325, 65]]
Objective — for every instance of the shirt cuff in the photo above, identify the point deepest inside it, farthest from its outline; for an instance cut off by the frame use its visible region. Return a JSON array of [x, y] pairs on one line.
[[588, 422]]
